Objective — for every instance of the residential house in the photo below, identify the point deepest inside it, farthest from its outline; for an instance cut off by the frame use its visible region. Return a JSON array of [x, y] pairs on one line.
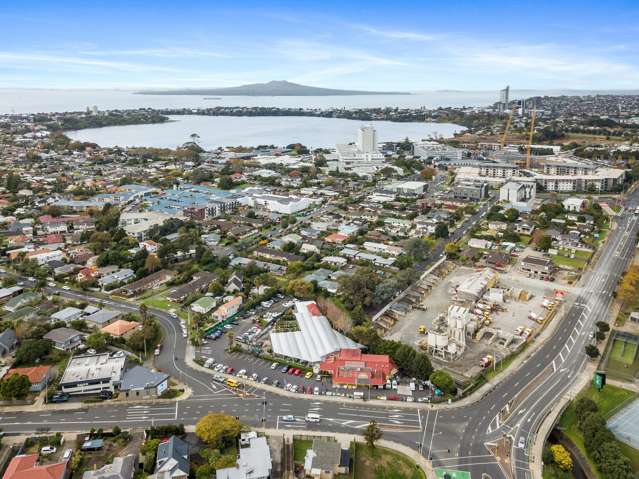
[[228, 309], [6, 293], [325, 460], [86, 274], [67, 314], [65, 339], [574, 204], [121, 468], [276, 255], [8, 341], [143, 382], [102, 317], [116, 277], [172, 460], [149, 282], [22, 300], [253, 462], [39, 376], [150, 245], [199, 284], [203, 305], [234, 284], [26, 466], [497, 259], [120, 328]]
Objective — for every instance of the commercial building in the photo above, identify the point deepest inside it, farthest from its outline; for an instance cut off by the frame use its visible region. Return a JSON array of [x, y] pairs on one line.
[[353, 368], [143, 382], [601, 179], [538, 267], [228, 309], [407, 188], [315, 338], [437, 151], [498, 170], [286, 205], [138, 224], [92, 373], [363, 158], [518, 194], [470, 191]]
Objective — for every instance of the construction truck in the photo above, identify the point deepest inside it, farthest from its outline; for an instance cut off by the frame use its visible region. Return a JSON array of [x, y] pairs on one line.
[[486, 361]]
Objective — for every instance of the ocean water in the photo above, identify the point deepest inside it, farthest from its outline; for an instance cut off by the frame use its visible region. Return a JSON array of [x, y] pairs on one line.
[[49, 100], [215, 131]]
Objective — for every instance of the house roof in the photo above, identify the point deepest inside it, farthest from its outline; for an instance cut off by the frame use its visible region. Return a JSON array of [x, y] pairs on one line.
[[60, 335], [324, 455], [120, 468], [103, 316], [26, 467], [139, 377], [35, 374], [7, 339], [173, 455], [120, 327]]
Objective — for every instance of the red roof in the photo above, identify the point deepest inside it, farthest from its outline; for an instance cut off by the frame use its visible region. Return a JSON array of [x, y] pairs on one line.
[[336, 238], [35, 374], [313, 309], [350, 366], [26, 467]]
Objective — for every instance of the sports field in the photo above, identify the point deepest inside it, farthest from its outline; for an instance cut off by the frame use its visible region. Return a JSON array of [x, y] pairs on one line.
[[623, 351], [622, 360]]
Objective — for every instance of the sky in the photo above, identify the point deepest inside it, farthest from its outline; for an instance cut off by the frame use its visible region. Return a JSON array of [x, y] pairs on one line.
[[373, 45]]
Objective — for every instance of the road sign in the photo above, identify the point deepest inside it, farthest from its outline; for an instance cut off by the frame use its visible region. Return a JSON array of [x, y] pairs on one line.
[[450, 474]]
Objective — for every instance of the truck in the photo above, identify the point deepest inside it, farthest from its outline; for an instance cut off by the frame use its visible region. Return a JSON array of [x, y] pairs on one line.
[[486, 361]]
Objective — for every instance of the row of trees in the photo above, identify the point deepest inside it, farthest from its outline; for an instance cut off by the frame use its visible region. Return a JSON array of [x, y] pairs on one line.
[[600, 443]]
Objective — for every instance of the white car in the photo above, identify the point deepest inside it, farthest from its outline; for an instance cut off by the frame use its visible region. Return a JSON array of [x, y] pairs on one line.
[[46, 450], [288, 418], [254, 376], [66, 288], [67, 454], [521, 443], [274, 365], [184, 335]]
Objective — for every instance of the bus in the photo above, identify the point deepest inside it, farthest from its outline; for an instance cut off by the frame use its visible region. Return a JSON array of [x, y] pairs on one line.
[[231, 382]]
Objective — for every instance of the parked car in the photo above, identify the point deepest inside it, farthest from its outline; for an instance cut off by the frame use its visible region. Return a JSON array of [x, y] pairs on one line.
[[284, 369], [276, 383], [297, 372], [59, 397], [288, 418], [46, 450], [106, 394], [274, 365], [308, 375], [67, 454], [264, 380], [254, 376], [229, 370]]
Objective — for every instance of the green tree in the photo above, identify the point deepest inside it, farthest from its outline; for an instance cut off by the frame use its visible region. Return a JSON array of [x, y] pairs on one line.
[[218, 429], [358, 289], [511, 215], [441, 230], [97, 340], [372, 434], [443, 381], [225, 183], [544, 243], [31, 350], [592, 351], [15, 386]]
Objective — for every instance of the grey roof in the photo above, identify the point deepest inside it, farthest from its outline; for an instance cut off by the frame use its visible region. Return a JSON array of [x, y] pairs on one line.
[[254, 462], [121, 468], [8, 340], [324, 455], [61, 335], [66, 314], [139, 377], [103, 316], [172, 455]]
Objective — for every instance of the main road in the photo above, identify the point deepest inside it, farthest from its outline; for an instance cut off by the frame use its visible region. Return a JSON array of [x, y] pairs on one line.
[[453, 438]]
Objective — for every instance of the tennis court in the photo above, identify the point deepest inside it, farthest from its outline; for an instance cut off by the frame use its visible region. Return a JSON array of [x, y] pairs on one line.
[[624, 351], [621, 358], [625, 424]]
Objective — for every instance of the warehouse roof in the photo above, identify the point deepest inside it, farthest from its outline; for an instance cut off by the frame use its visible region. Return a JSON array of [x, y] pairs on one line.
[[315, 338]]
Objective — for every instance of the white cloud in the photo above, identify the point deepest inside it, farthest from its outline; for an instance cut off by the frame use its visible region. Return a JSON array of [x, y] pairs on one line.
[[397, 34], [169, 52]]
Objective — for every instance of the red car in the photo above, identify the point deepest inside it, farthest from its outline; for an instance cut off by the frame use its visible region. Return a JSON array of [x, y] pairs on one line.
[[291, 371], [229, 370], [309, 390], [297, 372]]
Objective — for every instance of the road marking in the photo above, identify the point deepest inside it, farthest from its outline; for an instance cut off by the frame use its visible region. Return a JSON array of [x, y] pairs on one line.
[[554, 367], [430, 448], [562, 357]]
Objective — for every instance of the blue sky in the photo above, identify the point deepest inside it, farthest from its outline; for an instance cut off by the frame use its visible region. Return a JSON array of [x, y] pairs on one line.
[[400, 45]]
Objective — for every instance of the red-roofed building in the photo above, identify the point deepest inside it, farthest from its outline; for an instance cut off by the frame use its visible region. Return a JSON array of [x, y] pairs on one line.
[[352, 367], [39, 376], [338, 238], [26, 467]]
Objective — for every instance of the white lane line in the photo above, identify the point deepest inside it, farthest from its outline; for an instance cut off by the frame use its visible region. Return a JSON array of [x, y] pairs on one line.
[[554, 367], [430, 448]]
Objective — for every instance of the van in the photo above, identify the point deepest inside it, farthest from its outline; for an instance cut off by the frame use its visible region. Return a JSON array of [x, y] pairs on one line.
[[358, 395], [230, 382], [312, 417]]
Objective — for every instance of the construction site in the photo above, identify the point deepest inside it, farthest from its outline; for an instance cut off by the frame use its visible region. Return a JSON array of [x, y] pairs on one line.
[[470, 319]]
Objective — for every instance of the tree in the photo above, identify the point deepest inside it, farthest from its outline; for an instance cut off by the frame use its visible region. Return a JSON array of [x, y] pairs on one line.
[[218, 430], [422, 368], [152, 263], [443, 381], [511, 215], [225, 183], [97, 340], [603, 326], [144, 311], [561, 457], [358, 289], [451, 250], [15, 386], [545, 243], [417, 248], [31, 350], [592, 351], [441, 230], [372, 434], [428, 173], [584, 407]]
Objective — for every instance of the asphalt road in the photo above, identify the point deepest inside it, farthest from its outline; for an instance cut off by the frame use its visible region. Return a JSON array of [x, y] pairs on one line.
[[453, 438]]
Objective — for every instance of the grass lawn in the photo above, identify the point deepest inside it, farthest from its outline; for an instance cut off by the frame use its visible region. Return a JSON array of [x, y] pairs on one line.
[[159, 301], [623, 351], [574, 263], [609, 400], [299, 448], [382, 463], [524, 240]]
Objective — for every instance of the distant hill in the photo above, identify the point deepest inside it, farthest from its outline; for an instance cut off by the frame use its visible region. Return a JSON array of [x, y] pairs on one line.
[[272, 88]]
